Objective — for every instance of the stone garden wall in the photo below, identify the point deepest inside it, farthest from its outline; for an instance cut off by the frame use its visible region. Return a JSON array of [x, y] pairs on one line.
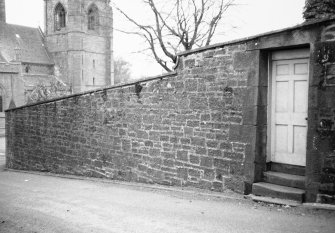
[[194, 127]]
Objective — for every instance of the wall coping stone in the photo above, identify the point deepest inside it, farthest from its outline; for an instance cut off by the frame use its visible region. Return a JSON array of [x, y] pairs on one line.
[[167, 75], [185, 53], [245, 39]]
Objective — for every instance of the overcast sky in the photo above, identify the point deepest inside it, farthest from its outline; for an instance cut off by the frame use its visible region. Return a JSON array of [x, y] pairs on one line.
[[251, 17]]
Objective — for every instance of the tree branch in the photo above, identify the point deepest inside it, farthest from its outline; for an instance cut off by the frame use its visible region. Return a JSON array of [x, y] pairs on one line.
[[159, 32], [185, 24], [214, 22]]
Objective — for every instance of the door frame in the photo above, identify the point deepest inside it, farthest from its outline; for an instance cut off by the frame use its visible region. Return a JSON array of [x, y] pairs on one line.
[[275, 55]]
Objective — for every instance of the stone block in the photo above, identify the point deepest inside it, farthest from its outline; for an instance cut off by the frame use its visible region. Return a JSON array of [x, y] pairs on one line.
[[209, 174], [205, 117], [188, 131], [189, 63], [168, 155], [235, 184], [227, 146], [182, 173], [164, 138], [221, 136], [217, 116], [142, 134], [197, 141], [194, 173], [185, 141], [218, 186], [126, 144], [216, 104], [243, 133], [235, 156], [194, 159], [235, 132], [182, 155], [191, 85], [154, 135], [198, 103], [191, 123], [243, 60], [148, 143], [212, 144], [250, 97], [214, 153], [154, 152], [206, 162], [204, 184]]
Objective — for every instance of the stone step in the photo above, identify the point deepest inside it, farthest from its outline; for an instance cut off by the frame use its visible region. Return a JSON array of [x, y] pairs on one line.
[[273, 200], [278, 191], [284, 179], [287, 168]]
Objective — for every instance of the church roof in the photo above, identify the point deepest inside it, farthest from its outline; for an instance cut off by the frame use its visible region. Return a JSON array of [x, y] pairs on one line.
[[25, 41]]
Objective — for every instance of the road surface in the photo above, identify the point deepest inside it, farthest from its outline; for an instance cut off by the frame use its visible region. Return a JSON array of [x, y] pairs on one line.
[[38, 203]]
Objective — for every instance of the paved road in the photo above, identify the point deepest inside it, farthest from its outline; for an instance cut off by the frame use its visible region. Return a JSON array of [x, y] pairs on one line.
[[36, 203]]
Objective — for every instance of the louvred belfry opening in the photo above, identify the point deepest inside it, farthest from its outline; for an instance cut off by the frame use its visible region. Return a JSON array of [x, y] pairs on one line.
[[93, 17], [60, 17]]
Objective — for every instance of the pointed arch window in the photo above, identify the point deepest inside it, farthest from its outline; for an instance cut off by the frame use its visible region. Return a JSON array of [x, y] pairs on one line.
[[93, 17], [60, 17]]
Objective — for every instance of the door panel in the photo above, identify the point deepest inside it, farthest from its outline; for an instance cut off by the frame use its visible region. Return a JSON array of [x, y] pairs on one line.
[[300, 68], [300, 93], [281, 135], [289, 99], [300, 139], [282, 97]]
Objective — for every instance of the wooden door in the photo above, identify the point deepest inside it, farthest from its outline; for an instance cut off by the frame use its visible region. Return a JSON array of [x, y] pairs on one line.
[[289, 104]]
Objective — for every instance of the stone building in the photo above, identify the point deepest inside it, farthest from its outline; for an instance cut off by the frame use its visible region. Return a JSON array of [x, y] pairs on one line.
[[79, 37], [24, 63], [77, 44], [77, 47]]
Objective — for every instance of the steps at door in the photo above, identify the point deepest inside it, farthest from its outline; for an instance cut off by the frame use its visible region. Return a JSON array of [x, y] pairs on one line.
[[278, 191], [287, 168], [284, 179]]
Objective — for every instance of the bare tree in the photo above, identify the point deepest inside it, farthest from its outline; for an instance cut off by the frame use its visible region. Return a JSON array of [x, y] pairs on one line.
[[179, 25], [121, 70]]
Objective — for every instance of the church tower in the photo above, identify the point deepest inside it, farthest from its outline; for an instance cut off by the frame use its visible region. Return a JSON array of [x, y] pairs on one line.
[[79, 36], [2, 11]]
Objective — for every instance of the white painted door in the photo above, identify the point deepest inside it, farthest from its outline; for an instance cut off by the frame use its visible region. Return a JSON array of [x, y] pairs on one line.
[[289, 104]]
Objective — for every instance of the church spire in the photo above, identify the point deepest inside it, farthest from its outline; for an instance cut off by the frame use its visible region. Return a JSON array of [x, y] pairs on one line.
[[2, 11]]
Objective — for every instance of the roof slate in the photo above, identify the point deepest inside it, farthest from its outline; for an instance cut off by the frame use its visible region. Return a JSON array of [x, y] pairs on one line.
[[27, 40]]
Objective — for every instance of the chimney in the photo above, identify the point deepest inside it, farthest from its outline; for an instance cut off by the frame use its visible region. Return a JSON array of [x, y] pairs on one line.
[[319, 9], [2, 11]]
